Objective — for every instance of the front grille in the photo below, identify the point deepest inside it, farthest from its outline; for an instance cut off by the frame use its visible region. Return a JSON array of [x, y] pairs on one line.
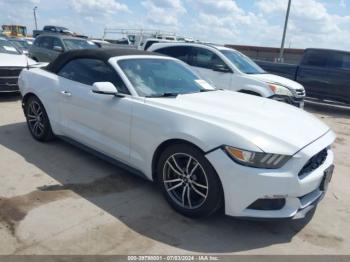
[[8, 84], [300, 92], [9, 78], [314, 162], [10, 71]]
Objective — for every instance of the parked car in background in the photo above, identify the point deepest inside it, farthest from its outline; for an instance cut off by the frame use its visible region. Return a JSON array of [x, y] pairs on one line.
[[12, 61], [101, 43], [205, 148], [23, 44], [122, 41], [47, 47], [52, 29], [229, 69], [145, 45], [325, 74]]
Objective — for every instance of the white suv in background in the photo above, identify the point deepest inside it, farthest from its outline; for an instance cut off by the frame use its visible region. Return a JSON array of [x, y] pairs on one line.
[[151, 41], [227, 68]]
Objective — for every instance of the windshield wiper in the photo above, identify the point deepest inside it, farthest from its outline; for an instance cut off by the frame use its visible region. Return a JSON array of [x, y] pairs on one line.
[[256, 73], [165, 95], [207, 90]]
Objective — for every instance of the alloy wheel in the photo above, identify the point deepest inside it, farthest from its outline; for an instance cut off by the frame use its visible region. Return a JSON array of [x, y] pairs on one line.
[[185, 180], [35, 119]]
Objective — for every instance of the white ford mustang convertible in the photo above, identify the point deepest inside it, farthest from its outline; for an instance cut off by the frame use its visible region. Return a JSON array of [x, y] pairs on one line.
[[205, 148]]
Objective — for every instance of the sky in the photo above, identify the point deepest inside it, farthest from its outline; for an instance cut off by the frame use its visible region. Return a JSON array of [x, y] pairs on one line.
[[313, 23]]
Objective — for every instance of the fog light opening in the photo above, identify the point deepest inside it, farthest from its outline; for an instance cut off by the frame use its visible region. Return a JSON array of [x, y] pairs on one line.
[[268, 204]]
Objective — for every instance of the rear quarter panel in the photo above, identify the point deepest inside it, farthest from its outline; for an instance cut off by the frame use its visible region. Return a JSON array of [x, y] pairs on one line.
[[45, 86]]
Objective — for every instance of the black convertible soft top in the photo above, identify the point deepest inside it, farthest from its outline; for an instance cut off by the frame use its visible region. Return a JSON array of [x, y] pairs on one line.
[[103, 54]]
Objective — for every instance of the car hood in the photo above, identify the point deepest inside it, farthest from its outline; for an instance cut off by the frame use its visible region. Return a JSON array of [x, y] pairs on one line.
[[272, 126], [15, 60], [269, 78]]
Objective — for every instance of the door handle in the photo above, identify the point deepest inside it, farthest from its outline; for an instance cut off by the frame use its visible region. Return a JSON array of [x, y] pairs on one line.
[[66, 93]]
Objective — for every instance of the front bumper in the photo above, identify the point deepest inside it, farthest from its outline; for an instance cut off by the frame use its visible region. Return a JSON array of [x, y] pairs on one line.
[[291, 100], [9, 79], [9, 84], [243, 185]]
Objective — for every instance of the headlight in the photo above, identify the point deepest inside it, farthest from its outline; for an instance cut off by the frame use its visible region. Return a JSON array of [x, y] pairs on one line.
[[280, 90], [256, 159]]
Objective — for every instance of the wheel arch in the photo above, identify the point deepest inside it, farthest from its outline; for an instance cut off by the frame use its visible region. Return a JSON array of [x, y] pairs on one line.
[[165, 144], [48, 112], [26, 97], [258, 88], [169, 142], [249, 92]]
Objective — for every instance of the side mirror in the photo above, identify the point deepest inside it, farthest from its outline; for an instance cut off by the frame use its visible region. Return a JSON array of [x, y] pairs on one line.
[[58, 48], [222, 68], [105, 88]]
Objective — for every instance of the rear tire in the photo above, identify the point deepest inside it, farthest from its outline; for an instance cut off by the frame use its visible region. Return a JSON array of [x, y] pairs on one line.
[[37, 120], [188, 181]]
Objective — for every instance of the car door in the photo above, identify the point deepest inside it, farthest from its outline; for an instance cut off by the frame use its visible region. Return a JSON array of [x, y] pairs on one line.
[[339, 75], [35, 51], [52, 42], [43, 53], [99, 121], [190, 55], [56, 42], [211, 67], [313, 73]]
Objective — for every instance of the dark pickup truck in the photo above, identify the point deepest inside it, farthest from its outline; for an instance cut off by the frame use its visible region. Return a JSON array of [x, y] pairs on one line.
[[56, 30], [325, 74]]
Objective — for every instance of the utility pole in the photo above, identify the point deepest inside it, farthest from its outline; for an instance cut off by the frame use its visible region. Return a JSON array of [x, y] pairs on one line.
[[284, 31], [36, 24]]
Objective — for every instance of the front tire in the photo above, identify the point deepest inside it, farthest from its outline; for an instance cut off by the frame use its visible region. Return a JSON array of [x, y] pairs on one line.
[[37, 120], [188, 181]]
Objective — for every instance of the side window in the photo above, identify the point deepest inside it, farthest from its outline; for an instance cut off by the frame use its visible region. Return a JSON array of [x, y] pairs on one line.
[[56, 42], [89, 71], [206, 59], [179, 52], [316, 58], [149, 43], [340, 61], [37, 41], [346, 61], [50, 28], [46, 42]]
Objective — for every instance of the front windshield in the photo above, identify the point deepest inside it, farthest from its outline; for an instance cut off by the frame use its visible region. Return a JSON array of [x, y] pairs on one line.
[[7, 48], [157, 77], [242, 62], [73, 44]]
